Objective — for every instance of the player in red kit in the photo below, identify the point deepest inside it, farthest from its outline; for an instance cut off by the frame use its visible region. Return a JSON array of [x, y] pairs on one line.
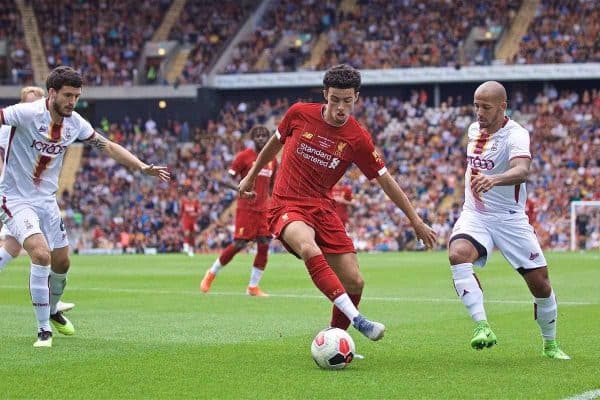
[[319, 143], [250, 215], [342, 194], [190, 210]]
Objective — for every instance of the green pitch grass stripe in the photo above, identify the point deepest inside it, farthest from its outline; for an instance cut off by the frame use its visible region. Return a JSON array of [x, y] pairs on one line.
[[304, 296]]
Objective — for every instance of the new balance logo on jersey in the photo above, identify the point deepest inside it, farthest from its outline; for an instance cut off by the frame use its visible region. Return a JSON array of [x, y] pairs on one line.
[[533, 256], [43, 128]]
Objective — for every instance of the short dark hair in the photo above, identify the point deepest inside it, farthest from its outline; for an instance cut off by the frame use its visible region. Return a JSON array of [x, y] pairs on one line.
[[63, 76], [342, 76], [258, 128]]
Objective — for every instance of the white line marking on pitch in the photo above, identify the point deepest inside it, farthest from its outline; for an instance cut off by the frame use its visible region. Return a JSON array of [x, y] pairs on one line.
[[302, 296], [590, 395]]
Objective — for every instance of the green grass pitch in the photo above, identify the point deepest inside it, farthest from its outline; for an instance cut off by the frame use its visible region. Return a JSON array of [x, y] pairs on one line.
[[144, 330]]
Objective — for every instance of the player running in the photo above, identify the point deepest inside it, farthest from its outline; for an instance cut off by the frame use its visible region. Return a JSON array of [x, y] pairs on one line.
[[250, 216], [498, 161], [190, 210], [320, 142], [43, 131], [11, 248]]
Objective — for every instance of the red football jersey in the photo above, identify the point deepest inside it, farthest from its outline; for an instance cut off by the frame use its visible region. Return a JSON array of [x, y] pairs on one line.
[[316, 155], [344, 192], [262, 186], [190, 209]]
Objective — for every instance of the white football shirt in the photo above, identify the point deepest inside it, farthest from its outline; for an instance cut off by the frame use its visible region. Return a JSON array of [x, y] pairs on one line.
[[36, 148], [491, 155], [4, 137]]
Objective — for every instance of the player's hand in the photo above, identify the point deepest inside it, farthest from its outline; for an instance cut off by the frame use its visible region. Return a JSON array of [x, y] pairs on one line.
[[161, 172], [426, 234], [246, 188], [481, 183]]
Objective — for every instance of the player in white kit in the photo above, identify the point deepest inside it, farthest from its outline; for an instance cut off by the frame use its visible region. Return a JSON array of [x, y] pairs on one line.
[[11, 248], [34, 155], [498, 161]]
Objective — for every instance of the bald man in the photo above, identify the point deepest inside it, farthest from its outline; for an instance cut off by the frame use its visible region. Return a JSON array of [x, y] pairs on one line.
[[11, 247], [498, 161]]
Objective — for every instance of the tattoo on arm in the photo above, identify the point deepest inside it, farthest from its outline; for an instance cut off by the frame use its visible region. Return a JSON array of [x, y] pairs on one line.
[[98, 141]]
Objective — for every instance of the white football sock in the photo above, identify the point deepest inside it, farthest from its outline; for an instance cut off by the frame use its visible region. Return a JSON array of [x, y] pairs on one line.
[[345, 305], [5, 257], [545, 314], [255, 277], [468, 289], [216, 267], [40, 295], [57, 287]]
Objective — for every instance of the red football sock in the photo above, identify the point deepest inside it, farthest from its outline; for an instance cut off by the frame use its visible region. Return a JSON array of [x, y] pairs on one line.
[[262, 251], [324, 277], [228, 254], [338, 319]]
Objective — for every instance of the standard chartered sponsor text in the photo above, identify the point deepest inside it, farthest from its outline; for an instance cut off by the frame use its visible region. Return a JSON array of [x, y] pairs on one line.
[[314, 155]]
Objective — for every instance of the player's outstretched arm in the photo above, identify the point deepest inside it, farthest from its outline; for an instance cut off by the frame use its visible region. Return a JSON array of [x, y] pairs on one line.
[[267, 154], [516, 174], [397, 195], [126, 158]]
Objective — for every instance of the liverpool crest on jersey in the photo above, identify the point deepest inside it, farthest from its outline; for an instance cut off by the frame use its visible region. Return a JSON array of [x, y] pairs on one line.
[[341, 146]]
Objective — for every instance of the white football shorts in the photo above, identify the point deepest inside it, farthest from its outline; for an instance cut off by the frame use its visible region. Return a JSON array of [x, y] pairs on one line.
[[510, 233], [24, 218], [4, 232]]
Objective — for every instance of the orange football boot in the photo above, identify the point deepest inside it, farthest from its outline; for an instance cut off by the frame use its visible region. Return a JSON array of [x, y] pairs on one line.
[[255, 291], [208, 279]]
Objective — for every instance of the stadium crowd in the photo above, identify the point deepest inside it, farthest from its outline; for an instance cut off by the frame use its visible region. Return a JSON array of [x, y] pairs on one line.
[[103, 40], [410, 33], [373, 34], [423, 147], [284, 37], [207, 27], [563, 31], [16, 68]]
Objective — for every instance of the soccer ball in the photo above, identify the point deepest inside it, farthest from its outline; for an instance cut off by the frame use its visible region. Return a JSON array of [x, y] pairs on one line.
[[332, 348]]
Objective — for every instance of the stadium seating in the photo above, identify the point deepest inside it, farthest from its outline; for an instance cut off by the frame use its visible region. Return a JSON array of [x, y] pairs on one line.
[[370, 34], [284, 37], [564, 31], [207, 26], [17, 66], [103, 40]]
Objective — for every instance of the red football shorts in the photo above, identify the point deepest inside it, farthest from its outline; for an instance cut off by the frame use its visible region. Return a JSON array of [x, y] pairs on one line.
[[188, 224], [330, 234], [250, 224]]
